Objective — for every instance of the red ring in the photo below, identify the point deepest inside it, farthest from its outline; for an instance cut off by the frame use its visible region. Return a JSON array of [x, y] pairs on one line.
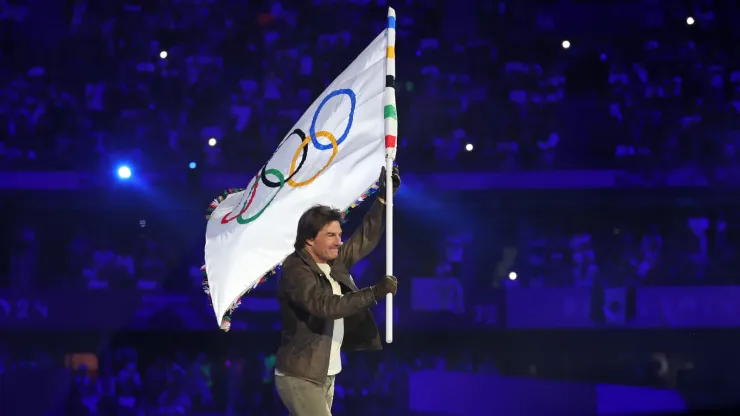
[[252, 193]]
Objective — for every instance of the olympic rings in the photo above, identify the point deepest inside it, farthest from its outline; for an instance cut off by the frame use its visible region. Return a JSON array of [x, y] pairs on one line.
[[247, 203], [281, 178], [312, 130], [263, 175], [302, 151], [334, 148]]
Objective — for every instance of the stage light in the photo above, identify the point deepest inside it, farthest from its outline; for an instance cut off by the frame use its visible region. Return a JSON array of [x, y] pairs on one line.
[[690, 20], [469, 147], [212, 141], [192, 165], [163, 54], [512, 276], [124, 172], [566, 44]]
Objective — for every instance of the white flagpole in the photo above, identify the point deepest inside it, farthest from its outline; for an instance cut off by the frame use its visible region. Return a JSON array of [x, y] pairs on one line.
[[391, 133]]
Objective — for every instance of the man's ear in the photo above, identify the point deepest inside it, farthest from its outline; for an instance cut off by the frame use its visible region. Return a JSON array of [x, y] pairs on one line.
[[309, 242]]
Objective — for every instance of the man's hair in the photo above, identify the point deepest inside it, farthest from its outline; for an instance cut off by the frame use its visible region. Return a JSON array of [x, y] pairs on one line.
[[312, 221]]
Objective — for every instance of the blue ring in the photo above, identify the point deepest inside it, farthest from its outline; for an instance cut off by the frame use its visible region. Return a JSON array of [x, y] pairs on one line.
[[312, 130]]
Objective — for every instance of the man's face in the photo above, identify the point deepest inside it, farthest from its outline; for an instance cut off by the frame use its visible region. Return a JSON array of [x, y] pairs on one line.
[[326, 245]]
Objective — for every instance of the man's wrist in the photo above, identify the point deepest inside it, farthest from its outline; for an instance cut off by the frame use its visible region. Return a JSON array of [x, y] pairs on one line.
[[372, 290]]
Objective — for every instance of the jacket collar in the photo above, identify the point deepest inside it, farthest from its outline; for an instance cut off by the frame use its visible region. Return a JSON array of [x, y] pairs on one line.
[[339, 277], [306, 257]]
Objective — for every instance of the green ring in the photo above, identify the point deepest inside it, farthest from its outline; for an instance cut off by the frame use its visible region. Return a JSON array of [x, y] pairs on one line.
[[281, 178], [246, 201]]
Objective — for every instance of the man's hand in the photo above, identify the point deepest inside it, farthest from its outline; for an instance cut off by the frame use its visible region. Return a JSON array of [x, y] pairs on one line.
[[387, 284], [381, 182]]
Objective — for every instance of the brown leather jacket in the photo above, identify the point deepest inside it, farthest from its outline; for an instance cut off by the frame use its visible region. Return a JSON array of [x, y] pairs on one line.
[[309, 308]]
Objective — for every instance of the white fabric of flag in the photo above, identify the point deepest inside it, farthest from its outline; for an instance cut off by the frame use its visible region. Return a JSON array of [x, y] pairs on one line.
[[331, 156]]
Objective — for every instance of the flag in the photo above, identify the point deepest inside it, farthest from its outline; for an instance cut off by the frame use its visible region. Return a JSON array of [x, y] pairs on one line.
[[332, 156]]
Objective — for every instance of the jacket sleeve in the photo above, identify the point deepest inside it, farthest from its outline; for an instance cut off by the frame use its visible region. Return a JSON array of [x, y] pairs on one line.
[[365, 238], [300, 286]]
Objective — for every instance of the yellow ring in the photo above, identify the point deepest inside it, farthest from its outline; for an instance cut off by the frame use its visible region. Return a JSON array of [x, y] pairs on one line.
[[306, 141]]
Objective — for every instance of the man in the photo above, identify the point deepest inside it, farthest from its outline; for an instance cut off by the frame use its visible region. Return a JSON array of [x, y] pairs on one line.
[[323, 311]]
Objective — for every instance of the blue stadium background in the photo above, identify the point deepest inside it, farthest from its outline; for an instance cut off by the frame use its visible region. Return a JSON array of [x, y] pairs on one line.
[[567, 231]]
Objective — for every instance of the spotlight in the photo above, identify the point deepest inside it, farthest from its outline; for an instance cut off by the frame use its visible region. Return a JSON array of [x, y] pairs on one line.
[[192, 165], [512, 276], [163, 54], [212, 141], [124, 172], [690, 20], [469, 147], [566, 44]]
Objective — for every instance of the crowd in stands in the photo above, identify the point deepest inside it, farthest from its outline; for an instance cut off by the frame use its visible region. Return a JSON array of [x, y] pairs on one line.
[[637, 250], [154, 81], [121, 382], [144, 381], [621, 247], [142, 378], [124, 255]]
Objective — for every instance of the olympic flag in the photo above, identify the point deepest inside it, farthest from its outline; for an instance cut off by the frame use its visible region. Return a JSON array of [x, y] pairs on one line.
[[332, 156]]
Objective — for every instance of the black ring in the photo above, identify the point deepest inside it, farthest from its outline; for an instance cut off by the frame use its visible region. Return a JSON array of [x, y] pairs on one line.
[[263, 176]]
